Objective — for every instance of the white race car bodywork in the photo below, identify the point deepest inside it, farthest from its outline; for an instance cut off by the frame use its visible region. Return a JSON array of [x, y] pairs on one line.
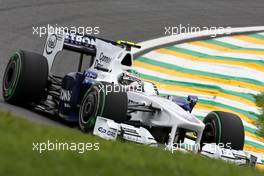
[[166, 113], [170, 115]]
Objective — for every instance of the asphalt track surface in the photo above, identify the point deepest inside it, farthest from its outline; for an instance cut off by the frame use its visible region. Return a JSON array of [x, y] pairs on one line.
[[135, 20]]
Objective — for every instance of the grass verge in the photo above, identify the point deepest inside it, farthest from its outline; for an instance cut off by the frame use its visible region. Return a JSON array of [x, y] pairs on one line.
[[260, 102], [113, 158]]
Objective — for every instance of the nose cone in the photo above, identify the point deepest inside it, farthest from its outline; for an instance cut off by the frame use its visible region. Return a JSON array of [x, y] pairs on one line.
[[176, 114]]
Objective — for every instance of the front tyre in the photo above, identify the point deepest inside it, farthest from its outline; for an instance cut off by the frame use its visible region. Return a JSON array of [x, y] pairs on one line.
[[25, 78], [99, 101], [224, 128]]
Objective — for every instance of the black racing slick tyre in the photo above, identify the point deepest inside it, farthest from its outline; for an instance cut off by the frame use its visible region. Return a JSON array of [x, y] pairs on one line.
[[25, 78], [101, 99], [225, 129]]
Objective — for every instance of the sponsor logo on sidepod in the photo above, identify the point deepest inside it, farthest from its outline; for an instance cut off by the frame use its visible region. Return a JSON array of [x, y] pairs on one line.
[[65, 95], [104, 58]]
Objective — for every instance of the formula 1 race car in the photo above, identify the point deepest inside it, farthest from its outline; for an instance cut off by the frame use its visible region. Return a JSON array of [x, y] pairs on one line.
[[110, 100]]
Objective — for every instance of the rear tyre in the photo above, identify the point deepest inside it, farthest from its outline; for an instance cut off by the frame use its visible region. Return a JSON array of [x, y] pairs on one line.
[[99, 101], [224, 128], [25, 78]]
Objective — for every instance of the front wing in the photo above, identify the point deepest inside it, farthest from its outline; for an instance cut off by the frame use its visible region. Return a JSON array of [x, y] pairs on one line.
[[110, 130]]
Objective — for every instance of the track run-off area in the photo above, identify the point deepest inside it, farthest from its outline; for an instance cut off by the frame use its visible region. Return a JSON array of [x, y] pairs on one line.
[[225, 73]]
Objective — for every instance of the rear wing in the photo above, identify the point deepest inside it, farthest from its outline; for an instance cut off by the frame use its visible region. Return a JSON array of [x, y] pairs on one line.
[[83, 44]]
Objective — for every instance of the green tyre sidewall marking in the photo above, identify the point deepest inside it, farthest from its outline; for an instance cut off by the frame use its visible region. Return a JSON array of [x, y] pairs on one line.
[[102, 99], [219, 126], [9, 92], [101, 93], [84, 126], [91, 122]]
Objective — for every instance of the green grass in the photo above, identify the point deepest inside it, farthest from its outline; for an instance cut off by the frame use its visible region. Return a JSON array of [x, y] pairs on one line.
[[113, 158], [260, 102]]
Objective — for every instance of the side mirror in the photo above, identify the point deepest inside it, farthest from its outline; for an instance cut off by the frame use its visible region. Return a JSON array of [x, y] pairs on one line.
[[192, 101]]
